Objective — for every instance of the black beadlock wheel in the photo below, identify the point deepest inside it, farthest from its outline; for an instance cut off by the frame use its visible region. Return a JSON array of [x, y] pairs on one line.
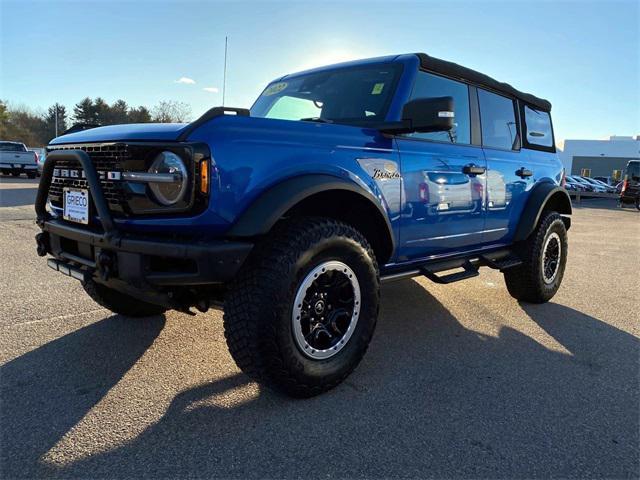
[[121, 303], [544, 256], [301, 313]]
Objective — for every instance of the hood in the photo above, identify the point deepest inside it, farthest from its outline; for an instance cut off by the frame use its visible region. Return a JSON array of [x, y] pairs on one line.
[[129, 132]]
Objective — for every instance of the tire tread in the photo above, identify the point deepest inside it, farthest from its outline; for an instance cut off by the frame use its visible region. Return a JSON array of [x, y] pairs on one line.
[[252, 340]]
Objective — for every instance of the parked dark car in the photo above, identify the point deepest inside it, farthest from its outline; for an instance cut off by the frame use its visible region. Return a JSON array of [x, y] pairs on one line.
[[630, 192]]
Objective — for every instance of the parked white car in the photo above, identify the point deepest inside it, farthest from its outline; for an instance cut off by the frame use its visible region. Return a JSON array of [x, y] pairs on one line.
[[16, 159]]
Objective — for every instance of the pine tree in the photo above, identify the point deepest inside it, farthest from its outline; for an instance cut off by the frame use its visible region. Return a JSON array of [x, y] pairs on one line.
[[118, 113], [139, 115], [85, 112], [102, 111]]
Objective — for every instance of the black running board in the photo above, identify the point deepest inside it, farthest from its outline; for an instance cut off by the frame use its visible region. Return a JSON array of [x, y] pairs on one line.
[[435, 270], [503, 263], [469, 271]]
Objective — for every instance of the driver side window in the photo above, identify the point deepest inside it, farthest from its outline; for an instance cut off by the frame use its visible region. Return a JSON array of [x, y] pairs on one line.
[[428, 86]]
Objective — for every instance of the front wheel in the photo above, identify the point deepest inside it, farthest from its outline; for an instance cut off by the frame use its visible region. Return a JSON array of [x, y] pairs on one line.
[[301, 313], [544, 256]]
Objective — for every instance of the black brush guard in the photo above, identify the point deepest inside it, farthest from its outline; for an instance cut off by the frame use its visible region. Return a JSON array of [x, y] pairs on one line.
[[121, 259]]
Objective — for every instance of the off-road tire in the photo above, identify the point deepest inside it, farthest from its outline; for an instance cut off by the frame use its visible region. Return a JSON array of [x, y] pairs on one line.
[[121, 303], [258, 309], [526, 282]]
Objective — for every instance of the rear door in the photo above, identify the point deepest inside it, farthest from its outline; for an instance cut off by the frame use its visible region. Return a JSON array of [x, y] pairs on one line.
[[442, 206], [509, 174]]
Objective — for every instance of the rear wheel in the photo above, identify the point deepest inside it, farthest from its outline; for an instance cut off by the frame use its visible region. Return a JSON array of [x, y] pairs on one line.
[[120, 303], [544, 256], [15, 174], [301, 313], [31, 174]]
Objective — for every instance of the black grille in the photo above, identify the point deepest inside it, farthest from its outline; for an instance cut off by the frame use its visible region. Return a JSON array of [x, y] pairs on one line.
[[106, 158]]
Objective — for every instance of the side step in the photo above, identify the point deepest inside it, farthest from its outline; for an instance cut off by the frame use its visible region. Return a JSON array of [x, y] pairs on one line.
[[470, 271], [503, 263]]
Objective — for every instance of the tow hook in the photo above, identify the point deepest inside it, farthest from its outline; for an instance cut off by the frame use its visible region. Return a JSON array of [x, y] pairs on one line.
[[105, 265], [42, 241]]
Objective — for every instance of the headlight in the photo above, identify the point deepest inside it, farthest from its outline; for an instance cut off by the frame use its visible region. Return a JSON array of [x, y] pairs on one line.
[[169, 193]]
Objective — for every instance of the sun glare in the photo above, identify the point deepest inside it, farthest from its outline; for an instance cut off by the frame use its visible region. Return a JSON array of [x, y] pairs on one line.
[[320, 59]]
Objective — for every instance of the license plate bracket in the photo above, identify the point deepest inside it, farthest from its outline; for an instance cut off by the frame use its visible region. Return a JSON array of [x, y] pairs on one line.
[[76, 205]]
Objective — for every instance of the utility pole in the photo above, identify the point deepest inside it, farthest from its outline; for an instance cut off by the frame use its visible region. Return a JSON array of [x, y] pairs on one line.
[[56, 119], [224, 75]]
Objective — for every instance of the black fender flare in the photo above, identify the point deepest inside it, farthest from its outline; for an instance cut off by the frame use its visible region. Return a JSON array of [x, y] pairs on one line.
[[271, 205], [543, 195]]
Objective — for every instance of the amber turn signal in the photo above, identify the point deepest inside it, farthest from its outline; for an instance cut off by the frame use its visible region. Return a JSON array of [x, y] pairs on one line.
[[204, 176]]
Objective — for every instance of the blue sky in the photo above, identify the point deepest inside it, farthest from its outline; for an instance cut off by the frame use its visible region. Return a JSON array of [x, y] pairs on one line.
[[583, 56]]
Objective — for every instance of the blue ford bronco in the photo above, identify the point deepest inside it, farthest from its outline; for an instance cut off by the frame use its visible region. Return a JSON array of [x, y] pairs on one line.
[[291, 214]]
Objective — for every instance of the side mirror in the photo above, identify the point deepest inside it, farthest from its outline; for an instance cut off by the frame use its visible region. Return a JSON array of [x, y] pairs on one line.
[[424, 115]]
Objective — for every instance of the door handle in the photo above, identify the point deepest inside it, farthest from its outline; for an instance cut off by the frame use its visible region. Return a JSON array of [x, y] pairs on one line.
[[523, 173], [472, 169]]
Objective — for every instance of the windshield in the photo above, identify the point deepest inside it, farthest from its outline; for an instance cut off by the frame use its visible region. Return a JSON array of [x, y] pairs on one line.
[[356, 96]]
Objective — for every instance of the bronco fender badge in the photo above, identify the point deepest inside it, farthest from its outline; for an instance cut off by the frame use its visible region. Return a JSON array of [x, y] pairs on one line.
[[380, 168]]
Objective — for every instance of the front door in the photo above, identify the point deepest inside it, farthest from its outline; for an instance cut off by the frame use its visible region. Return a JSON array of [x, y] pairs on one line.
[[442, 209]]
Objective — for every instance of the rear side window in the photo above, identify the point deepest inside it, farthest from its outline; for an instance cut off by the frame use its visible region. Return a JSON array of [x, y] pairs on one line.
[[12, 147], [538, 125], [498, 120], [428, 86]]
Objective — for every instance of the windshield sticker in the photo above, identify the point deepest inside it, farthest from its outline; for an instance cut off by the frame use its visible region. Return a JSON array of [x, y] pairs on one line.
[[377, 89], [275, 88]]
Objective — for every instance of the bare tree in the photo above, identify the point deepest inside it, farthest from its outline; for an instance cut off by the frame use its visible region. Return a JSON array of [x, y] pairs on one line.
[[169, 111]]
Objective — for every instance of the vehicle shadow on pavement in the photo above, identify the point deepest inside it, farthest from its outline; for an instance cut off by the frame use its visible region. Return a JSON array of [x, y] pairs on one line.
[[47, 391], [431, 399], [17, 197]]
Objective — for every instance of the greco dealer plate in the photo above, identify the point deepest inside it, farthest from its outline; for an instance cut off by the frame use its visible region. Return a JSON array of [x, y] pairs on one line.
[[76, 205]]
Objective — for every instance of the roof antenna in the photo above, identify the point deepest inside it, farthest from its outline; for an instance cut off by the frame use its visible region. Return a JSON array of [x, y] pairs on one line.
[[224, 77]]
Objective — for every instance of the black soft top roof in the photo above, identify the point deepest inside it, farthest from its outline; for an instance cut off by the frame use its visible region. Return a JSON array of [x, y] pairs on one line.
[[451, 69]]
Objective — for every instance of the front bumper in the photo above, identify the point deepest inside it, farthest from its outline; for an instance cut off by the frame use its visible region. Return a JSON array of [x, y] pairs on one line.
[[123, 260]]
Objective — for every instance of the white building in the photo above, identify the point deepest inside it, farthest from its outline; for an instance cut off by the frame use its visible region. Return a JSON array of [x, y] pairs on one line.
[[601, 157]]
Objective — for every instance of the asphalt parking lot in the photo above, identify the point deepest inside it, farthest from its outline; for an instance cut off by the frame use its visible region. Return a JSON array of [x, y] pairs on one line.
[[460, 381]]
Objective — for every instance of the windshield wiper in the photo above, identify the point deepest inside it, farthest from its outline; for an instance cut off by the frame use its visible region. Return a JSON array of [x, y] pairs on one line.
[[316, 119]]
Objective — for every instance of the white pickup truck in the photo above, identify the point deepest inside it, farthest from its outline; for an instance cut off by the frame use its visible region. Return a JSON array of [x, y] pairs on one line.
[[16, 159]]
